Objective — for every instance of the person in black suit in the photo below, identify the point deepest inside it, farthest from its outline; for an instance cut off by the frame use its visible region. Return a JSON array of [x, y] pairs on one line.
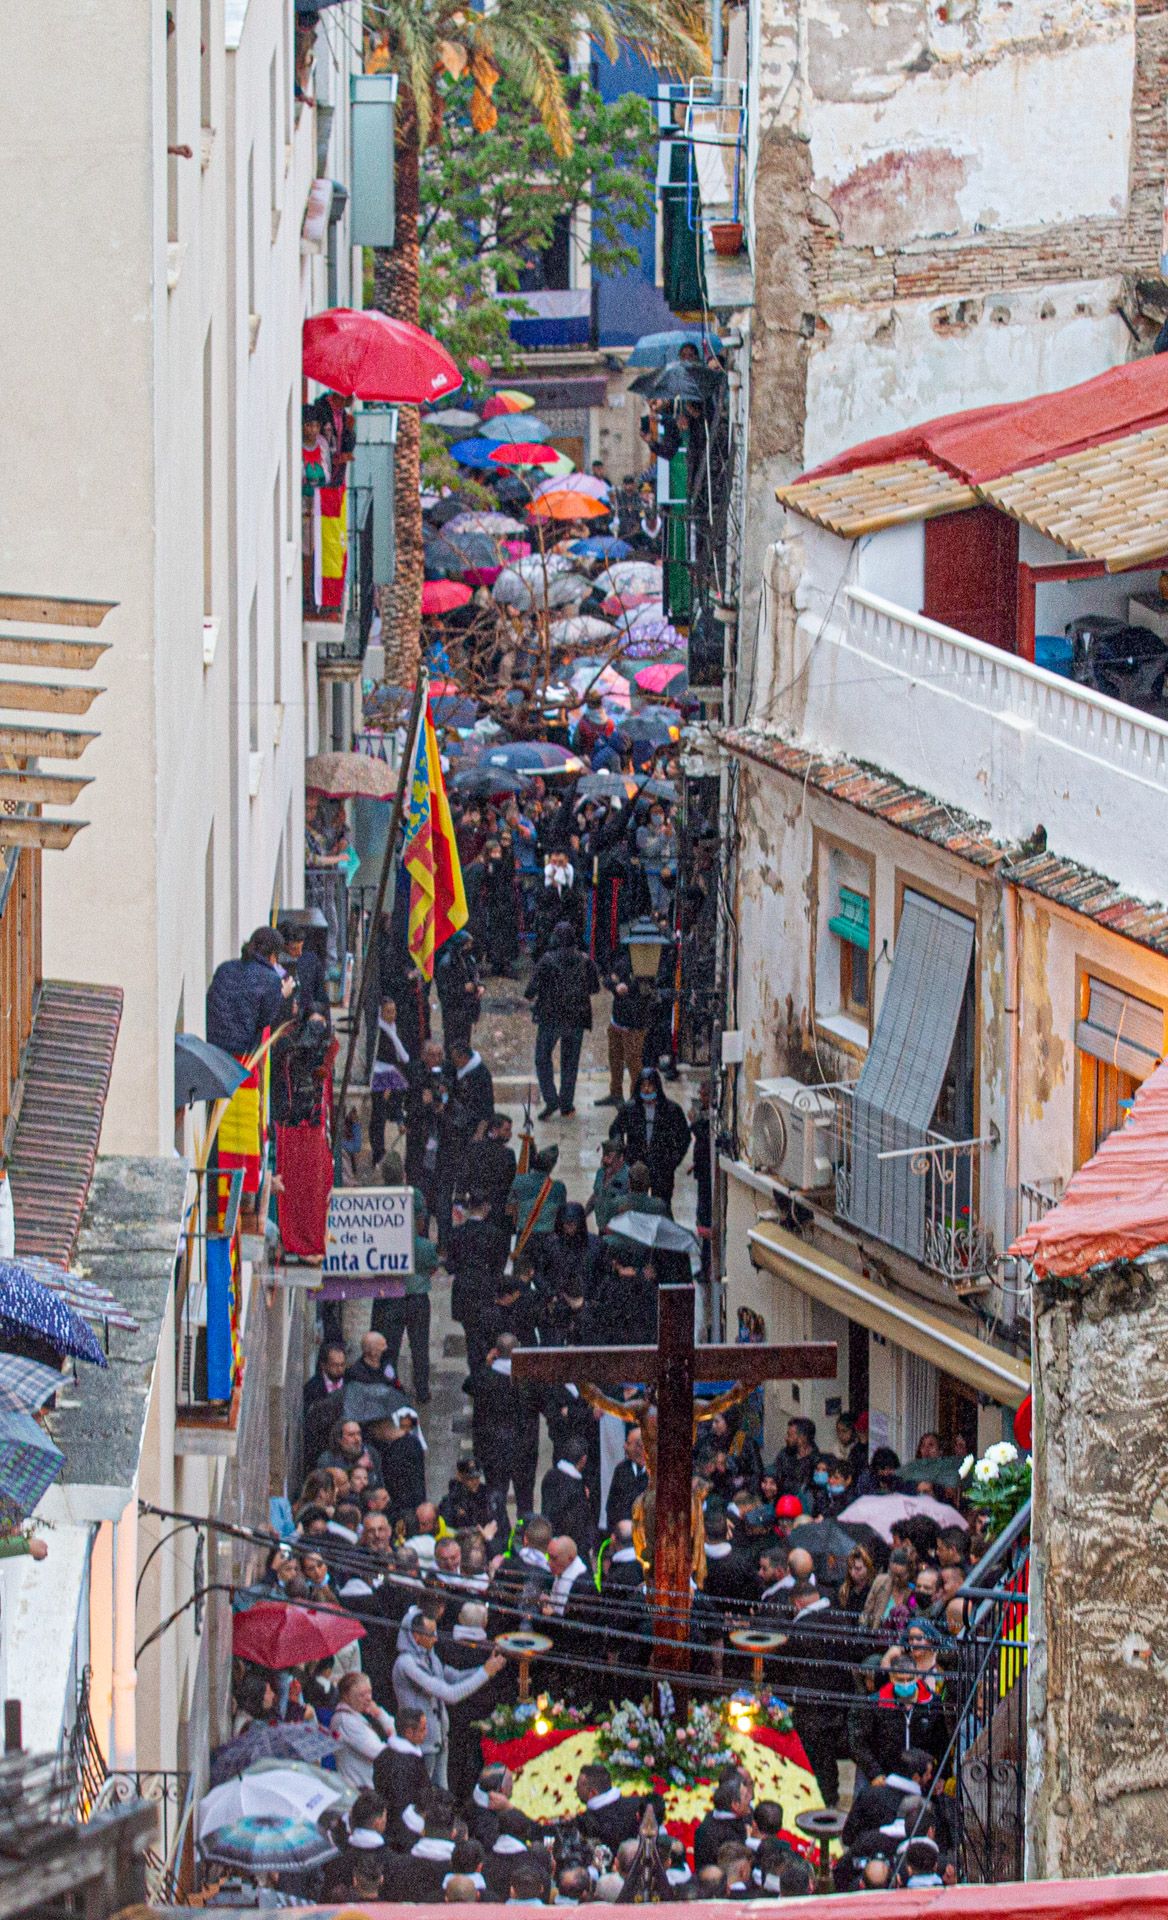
[[609, 1815], [563, 1493], [456, 976], [522, 1577], [489, 1167], [476, 1256], [432, 1138], [569, 1613], [417, 1876], [728, 1819], [323, 1398], [630, 1479], [505, 1426], [402, 1778], [817, 1661], [730, 1575], [873, 1807], [501, 1830], [472, 1087]]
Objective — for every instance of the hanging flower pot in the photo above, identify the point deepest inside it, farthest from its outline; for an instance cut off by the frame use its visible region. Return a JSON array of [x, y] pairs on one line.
[[727, 237]]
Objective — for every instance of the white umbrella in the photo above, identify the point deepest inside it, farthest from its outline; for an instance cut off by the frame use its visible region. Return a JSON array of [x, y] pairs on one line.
[[285, 1792], [543, 566], [575, 483], [880, 1510], [578, 630], [633, 576]]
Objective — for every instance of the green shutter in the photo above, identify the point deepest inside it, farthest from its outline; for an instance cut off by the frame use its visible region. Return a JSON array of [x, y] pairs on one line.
[[851, 922]]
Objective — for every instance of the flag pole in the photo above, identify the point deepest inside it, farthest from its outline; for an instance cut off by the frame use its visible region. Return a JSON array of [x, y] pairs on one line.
[[372, 944]]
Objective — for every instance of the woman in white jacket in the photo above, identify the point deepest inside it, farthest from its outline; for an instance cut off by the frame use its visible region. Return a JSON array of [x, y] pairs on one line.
[[361, 1728]]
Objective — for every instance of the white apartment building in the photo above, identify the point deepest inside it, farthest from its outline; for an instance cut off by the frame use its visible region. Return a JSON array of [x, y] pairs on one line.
[[161, 170]]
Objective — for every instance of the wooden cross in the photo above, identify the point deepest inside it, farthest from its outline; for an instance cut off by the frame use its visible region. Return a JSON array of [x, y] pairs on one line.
[[671, 1368]]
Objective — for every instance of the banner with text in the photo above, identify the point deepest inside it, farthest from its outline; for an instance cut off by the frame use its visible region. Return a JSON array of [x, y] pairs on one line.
[[369, 1245]]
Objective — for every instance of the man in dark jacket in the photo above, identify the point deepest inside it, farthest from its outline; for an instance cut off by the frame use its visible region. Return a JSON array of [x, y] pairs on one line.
[[609, 1815], [401, 1777], [456, 977], [506, 1427], [817, 1660], [248, 995], [489, 1167], [654, 1130], [630, 1478], [324, 1396], [472, 1088], [561, 989], [563, 1494], [476, 1257], [728, 1819]]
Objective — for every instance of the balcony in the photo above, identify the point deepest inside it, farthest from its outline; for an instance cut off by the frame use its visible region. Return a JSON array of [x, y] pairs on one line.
[[913, 1189], [891, 687], [339, 576], [553, 317]]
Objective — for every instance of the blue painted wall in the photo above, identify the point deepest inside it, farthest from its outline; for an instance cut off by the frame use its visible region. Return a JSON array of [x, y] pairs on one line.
[[630, 304]]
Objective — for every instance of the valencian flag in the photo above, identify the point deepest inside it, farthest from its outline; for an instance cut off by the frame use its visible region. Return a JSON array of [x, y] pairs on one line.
[[430, 856]]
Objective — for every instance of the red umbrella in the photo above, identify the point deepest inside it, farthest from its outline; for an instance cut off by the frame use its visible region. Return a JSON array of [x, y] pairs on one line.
[[281, 1634], [524, 453], [439, 596], [376, 358], [619, 603]]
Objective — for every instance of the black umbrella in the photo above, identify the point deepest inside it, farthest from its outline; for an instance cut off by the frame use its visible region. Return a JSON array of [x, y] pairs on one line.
[[444, 510], [681, 380], [657, 790], [203, 1072], [479, 783], [943, 1472], [827, 1542]]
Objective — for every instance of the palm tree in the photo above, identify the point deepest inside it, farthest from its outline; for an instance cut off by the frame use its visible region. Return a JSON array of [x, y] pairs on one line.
[[532, 42]]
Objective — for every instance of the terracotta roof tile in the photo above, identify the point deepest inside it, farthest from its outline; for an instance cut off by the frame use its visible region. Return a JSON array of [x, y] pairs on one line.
[[65, 1082]]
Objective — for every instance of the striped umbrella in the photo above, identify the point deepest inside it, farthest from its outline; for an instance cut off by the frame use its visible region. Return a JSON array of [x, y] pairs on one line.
[[25, 1384], [29, 1462]]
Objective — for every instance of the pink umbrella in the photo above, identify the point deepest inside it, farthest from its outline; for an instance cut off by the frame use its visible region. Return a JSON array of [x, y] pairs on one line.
[[368, 354], [576, 483], [879, 1510], [624, 603], [656, 679]]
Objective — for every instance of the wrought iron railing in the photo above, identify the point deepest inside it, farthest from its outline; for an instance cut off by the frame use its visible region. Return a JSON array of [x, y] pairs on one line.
[[1035, 1200], [172, 1795], [986, 1760], [912, 1188]]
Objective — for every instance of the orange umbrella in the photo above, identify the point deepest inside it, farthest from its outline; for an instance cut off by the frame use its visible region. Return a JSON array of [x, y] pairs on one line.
[[567, 506]]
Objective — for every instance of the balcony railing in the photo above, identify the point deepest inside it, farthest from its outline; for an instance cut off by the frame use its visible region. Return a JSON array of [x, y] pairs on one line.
[[1035, 1200], [350, 603], [913, 1189]]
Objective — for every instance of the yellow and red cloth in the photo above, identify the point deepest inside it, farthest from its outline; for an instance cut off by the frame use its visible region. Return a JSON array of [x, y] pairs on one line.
[[430, 856], [330, 546]]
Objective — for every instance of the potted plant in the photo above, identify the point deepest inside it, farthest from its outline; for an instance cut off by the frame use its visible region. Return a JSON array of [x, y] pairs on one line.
[[727, 237]]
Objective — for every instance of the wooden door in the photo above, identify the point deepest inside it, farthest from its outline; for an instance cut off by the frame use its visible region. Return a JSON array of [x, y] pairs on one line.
[[971, 574]]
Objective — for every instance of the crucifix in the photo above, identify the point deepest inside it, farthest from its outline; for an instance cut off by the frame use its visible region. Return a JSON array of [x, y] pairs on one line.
[[670, 1370]]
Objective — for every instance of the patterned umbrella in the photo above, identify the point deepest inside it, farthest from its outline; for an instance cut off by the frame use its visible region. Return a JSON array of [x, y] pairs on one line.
[[658, 349], [27, 1308], [291, 1792], [347, 776], [510, 427], [29, 1462], [92, 1302], [268, 1843], [25, 1384], [621, 605], [507, 400], [650, 613], [259, 1741]]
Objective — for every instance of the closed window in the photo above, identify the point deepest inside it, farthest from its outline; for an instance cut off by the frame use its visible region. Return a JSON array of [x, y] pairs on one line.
[[1119, 1040], [842, 939]]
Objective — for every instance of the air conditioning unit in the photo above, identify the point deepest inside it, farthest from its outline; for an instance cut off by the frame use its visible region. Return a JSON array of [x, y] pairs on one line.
[[792, 1133]]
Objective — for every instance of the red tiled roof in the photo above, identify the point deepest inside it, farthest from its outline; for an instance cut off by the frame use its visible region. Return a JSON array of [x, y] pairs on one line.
[[65, 1082], [985, 442], [1066, 883]]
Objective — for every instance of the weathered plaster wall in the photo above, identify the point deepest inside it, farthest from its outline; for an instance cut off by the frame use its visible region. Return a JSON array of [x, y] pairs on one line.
[[1098, 1702]]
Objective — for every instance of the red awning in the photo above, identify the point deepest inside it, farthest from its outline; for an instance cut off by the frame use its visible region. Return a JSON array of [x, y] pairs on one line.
[[987, 441], [1116, 1206], [1142, 1896]]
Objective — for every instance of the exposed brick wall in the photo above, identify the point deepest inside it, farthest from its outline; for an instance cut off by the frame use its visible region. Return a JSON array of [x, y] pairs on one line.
[[987, 263]]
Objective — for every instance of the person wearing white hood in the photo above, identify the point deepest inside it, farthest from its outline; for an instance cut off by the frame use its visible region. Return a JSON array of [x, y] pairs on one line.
[[422, 1679]]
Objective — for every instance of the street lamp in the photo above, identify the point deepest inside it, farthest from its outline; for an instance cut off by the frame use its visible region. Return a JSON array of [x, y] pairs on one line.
[[644, 940]]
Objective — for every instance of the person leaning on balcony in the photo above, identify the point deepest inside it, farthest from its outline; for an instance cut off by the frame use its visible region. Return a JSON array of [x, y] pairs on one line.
[[248, 995], [317, 455]]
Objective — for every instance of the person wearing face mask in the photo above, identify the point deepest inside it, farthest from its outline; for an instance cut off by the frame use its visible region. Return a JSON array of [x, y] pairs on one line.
[[301, 1097], [906, 1715], [654, 1130], [657, 849], [495, 919], [560, 899]]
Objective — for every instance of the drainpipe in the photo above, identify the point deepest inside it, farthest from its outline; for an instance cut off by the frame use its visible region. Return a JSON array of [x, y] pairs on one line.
[[1011, 1017], [123, 1742], [716, 57]]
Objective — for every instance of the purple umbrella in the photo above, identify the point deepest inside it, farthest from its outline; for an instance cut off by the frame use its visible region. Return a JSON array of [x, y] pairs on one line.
[[259, 1741]]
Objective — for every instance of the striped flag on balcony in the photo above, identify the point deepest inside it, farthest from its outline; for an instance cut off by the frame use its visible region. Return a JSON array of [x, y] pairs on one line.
[[330, 546]]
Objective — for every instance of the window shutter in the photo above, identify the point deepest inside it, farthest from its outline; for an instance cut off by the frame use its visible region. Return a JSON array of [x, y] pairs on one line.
[[851, 922], [1126, 1032]]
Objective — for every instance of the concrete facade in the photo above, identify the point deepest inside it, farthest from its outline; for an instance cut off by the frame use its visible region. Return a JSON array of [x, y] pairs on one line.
[[154, 332]]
